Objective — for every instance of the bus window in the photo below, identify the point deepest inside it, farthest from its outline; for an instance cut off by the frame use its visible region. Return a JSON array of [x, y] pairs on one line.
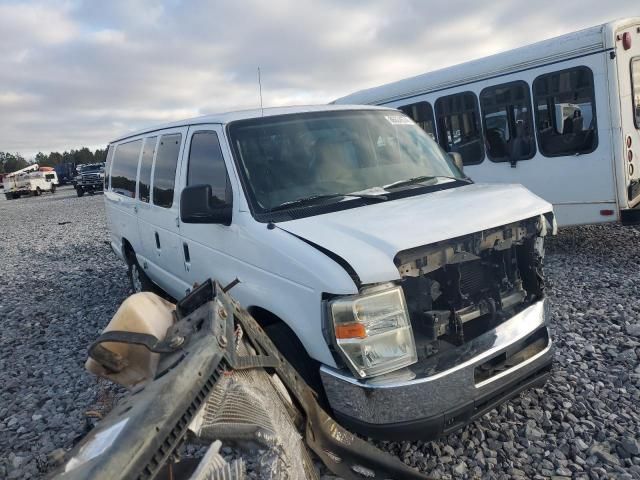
[[635, 84], [422, 114], [459, 126], [506, 115], [565, 112]]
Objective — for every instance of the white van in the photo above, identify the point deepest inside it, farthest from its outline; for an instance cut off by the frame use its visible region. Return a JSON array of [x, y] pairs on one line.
[[561, 117], [409, 297]]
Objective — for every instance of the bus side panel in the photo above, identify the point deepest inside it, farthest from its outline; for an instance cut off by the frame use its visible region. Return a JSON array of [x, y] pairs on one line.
[[581, 187]]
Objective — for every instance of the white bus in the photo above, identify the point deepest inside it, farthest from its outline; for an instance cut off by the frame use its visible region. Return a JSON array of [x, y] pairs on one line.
[[561, 117]]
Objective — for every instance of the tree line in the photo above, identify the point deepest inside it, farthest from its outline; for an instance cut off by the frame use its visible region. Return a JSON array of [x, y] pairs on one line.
[[10, 162]]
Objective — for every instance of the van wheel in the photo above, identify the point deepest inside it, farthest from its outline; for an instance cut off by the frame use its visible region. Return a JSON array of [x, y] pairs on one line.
[[79, 192], [139, 280], [292, 349], [53, 188], [8, 196], [38, 192]]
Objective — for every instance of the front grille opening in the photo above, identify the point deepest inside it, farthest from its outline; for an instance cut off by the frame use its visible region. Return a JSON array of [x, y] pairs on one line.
[[462, 288], [514, 356]]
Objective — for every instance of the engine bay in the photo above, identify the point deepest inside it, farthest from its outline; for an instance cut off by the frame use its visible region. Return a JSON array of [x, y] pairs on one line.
[[461, 288]]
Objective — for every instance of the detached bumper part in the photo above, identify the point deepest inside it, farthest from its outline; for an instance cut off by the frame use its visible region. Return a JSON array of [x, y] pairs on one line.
[[450, 389], [209, 380]]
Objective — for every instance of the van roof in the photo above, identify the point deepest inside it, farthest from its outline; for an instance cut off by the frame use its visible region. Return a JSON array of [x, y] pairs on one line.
[[572, 45], [227, 117]]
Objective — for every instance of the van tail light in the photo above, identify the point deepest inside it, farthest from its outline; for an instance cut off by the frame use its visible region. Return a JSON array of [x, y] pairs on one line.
[[628, 141], [626, 40], [606, 213], [630, 155]]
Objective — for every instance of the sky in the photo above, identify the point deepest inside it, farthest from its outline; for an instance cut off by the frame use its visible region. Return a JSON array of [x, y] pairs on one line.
[[79, 73]]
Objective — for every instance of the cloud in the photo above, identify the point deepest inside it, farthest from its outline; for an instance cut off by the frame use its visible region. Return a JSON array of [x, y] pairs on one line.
[[79, 72]]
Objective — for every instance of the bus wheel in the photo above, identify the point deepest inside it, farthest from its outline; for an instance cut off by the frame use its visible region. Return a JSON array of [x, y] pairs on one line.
[[79, 192]]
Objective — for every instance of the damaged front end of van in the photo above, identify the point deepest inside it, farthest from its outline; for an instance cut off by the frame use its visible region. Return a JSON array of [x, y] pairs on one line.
[[214, 377], [475, 334]]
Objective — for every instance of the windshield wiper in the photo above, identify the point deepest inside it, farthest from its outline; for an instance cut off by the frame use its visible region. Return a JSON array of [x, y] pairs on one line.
[[324, 196], [421, 179]]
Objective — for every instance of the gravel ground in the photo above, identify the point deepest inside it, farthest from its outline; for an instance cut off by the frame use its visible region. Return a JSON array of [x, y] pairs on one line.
[[60, 283]]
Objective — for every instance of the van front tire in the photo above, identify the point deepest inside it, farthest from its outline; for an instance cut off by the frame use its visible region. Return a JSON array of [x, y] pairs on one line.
[[79, 191], [292, 349]]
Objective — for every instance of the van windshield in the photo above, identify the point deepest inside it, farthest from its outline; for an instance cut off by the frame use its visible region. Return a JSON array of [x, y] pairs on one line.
[[291, 157]]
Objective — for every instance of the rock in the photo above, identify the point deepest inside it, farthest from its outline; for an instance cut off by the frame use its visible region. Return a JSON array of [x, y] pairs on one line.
[[633, 329], [631, 445], [580, 444], [603, 454], [460, 468], [628, 355], [533, 433]]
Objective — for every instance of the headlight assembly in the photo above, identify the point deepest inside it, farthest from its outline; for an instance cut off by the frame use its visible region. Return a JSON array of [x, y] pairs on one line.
[[373, 332]]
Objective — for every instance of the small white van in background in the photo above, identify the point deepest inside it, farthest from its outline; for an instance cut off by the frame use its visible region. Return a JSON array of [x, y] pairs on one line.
[[409, 297], [561, 117]]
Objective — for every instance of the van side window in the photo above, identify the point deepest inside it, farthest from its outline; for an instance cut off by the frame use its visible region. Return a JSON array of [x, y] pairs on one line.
[[459, 126], [565, 112], [146, 162], [125, 168], [164, 174], [507, 121], [206, 165], [422, 114], [635, 86]]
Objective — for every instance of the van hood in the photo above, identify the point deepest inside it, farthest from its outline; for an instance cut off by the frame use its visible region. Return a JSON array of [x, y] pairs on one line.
[[368, 238]]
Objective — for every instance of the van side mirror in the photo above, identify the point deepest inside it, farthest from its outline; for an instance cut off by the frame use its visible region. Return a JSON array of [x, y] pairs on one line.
[[457, 159], [198, 205]]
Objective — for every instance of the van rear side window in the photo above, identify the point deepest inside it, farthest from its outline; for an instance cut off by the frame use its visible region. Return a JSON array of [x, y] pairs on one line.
[[164, 173], [565, 112], [146, 162], [206, 165], [125, 168], [635, 85], [459, 126]]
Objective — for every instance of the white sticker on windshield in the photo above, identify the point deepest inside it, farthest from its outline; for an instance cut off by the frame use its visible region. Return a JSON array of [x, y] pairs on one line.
[[398, 120]]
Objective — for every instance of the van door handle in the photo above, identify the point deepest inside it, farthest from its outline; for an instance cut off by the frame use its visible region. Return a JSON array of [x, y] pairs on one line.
[[157, 240], [135, 209], [187, 256]]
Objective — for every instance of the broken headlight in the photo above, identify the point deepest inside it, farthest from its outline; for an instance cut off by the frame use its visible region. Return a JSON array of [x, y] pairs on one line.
[[373, 332]]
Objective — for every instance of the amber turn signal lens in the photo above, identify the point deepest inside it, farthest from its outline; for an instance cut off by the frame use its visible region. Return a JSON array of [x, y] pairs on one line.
[[351, 330]]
